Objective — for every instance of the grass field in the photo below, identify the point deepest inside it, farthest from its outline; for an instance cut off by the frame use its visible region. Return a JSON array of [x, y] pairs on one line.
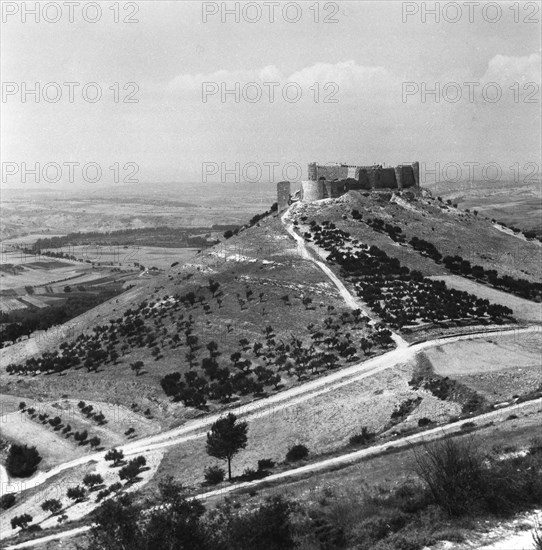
[[498, 368]]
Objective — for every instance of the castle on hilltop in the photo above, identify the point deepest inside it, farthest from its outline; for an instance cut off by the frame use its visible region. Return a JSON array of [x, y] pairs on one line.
[[333, 180]]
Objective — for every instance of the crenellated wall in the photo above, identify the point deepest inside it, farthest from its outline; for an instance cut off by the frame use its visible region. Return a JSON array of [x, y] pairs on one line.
[[333, 180], [369, 177]]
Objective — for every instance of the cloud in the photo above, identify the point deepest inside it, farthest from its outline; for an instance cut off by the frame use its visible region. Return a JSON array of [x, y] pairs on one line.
[[349, 76], [506, 68]]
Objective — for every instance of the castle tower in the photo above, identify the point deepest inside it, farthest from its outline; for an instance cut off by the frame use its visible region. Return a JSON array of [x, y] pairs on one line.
[[312, 190], [283, 195], [399, 176], [313, 171], [416, 170]]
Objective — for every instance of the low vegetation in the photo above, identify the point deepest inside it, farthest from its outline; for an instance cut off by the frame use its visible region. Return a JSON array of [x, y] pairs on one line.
[[455, 485]]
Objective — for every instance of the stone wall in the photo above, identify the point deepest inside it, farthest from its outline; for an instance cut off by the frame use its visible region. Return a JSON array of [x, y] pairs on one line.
[[368, 177], [283, 195], [328, 171], [333, 180]]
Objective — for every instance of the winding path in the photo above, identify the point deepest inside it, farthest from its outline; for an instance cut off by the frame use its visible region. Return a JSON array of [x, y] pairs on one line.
[[351, 301]]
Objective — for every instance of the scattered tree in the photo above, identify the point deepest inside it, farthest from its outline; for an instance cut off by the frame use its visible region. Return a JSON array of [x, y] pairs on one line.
[[226, 438], [91, 480], [76, 493], [21, 521], [52, 505]]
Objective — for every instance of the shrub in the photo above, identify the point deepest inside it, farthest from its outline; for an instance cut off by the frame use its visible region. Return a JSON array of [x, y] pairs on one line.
[[535, 445], [214, 475], [131, 471], [249, 474], [102, 494], [21, 521], [76, 493], [468, 426], [297, 452], [364, 437], [265, 464], [423, 422], [91, 480], [94, 441], [7, 501], [52, 505], [454, 474], [22, 460], [270, 525]]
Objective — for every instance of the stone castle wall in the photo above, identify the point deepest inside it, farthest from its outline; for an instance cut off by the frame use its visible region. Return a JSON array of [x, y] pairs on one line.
[[334, 180]]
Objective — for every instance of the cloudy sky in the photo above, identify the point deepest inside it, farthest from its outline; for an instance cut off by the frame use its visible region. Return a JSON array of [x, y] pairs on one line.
[[351, 89]]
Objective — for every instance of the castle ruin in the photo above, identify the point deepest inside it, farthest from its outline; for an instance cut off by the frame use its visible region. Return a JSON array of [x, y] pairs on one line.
[[333, 180]]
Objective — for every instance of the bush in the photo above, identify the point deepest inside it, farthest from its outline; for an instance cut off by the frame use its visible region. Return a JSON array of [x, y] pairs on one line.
[[102, 494], [91, 480], [22, 460], [364, 437], [131, 471], [76, 493], [265, 464], [7, 501], [214, 475], [454, 474], [423, 422], [250, 474], [21, 521], [297, 452], [270, 525], [52, 505]]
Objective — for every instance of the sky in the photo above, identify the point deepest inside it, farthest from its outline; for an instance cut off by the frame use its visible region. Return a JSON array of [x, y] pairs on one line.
[[325, 81]]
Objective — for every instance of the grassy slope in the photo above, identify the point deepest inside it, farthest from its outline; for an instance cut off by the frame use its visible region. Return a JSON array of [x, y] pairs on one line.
[[263, 259]]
